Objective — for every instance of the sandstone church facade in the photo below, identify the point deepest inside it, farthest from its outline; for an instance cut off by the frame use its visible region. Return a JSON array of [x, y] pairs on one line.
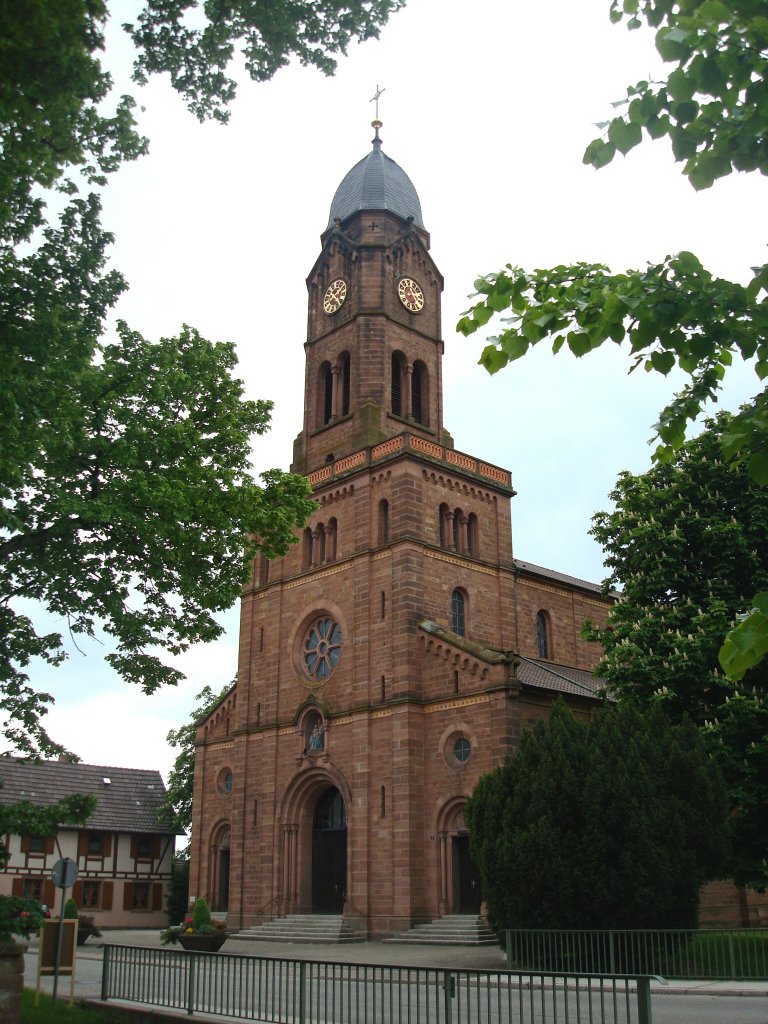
[[399, 650]]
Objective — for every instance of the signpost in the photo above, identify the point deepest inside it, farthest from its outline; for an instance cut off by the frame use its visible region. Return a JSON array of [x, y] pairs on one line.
[[58, 956]]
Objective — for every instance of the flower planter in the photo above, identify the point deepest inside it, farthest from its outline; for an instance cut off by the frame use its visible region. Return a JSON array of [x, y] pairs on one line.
[[203, 943]]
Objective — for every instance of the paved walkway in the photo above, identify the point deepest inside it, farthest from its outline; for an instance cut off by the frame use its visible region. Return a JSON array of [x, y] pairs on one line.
[[480, 958]]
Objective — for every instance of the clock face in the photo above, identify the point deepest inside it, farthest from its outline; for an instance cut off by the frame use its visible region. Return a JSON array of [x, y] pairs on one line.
[[335, 294], [410, 294]]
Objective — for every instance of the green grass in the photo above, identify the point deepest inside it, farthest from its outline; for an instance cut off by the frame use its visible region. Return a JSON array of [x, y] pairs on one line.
[[64, 1013]]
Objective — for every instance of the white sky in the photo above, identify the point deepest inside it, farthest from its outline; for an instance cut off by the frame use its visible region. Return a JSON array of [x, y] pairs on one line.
[[488, 108]]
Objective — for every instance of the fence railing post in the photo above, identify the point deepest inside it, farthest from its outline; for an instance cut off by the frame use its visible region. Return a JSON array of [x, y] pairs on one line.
[[302, 992], [644, 1013], [449, 988], [105, 975], [191, 983]]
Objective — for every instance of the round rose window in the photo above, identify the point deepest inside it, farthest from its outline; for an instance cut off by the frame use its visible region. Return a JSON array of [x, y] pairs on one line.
[[322, 648]]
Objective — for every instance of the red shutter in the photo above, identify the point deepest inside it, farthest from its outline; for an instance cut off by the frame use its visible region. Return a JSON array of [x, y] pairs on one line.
[[49, 893], [106, 846], [134, 847], [106, 895], [50, 842], [25, 844], [77, 893], [18, 887], [155, 847], [157, 895], [82, 844], [128, 896]]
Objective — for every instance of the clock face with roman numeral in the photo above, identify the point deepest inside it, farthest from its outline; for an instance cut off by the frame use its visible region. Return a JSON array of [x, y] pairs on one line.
[[335, 294], [410, 294]]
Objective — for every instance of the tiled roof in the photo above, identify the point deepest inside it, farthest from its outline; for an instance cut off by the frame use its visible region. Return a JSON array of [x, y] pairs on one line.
[[545, 675], [560, 577], [376, 183], [129, 802]]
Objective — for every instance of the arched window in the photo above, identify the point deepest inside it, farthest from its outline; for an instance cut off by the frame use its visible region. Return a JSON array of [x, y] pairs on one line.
[[420, 393], [458, 612], [344, 369], [542, 634], [458, 522], [330, 540], [383, 521], [320, 531], [307, 551], [472, 535], [445, 526], [324, 394], [398, 373]]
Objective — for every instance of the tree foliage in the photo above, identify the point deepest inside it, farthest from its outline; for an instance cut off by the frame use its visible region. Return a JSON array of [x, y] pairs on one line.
[[127, 500], [686, 544], [612, 823], [177, 807], [713, 105], [41, 820], [195, 42]]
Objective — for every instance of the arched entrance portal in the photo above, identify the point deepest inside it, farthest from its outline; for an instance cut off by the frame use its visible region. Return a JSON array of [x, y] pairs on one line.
[[459, 878], [219, 861], [466, 879], [329, 853]]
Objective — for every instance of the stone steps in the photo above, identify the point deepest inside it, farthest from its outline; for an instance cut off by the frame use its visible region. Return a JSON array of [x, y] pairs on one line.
[[451, 930], [327, 928]]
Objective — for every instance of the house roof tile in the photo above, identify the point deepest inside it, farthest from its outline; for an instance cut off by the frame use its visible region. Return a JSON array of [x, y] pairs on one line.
[[128, 802]]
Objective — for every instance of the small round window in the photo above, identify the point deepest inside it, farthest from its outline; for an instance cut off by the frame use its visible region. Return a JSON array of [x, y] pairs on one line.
[[322, 648], [225, 781], [461, 750]]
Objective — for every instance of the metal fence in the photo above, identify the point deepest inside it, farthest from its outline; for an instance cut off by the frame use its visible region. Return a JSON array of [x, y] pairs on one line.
[[276, 990], [738, 954]]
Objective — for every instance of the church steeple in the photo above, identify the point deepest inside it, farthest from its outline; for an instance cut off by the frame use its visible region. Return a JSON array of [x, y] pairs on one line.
[[374, 345]]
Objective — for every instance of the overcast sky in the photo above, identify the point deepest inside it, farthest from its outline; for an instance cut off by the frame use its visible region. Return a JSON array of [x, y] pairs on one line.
[[488, 108]]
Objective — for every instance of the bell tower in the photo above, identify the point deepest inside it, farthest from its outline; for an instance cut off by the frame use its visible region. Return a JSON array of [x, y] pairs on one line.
[[374, 346]]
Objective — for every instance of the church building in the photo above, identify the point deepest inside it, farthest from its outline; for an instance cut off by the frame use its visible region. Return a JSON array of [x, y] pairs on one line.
[[399, 651]]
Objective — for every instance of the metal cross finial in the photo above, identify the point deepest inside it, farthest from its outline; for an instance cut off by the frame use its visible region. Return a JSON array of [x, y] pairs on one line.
[[375, 99]]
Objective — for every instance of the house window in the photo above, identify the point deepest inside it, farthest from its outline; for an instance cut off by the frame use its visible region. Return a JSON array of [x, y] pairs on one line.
[[94, 844], [91, 895], [140, 900], [542, 635], [144, 848], [32, 889], [458, 610], [36, 844]]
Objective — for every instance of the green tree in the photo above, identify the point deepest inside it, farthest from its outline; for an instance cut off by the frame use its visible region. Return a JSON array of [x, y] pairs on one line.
[[178, 802], [686, 544], [611, 823], [713, 108], [126, 496]]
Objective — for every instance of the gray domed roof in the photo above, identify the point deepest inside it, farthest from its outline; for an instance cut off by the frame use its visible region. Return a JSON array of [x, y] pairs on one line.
[[376, 183]]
